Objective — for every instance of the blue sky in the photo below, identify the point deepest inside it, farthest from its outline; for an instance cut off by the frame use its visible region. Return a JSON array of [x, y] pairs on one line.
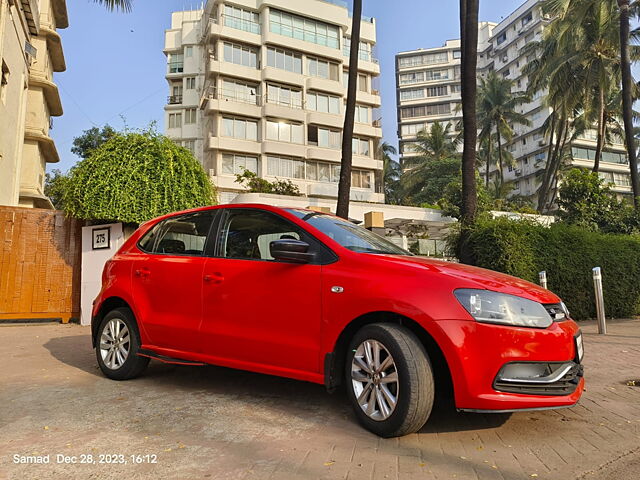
[[115, 64]]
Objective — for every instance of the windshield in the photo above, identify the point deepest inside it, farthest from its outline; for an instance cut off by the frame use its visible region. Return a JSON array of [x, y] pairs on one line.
[[347, 234]]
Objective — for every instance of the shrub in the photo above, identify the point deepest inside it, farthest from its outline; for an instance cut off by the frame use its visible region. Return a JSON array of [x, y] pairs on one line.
[[255, 184], [567, 253], [133, 177]]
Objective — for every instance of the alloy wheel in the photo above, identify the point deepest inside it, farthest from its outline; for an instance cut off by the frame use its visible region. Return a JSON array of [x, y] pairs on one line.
[[115, 343], [374, 379]]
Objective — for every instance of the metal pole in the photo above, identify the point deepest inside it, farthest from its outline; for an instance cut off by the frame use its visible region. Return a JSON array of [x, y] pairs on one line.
[[597, 285], [543, 279]]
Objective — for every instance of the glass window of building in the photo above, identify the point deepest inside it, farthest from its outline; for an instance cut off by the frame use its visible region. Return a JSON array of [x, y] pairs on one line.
[[362, 114], [190, 116], [233, 164], [322, 102], [302, 28], [242, 19], [284, 60], [284, 131], [175, 120], [176, 63], [285, 167], [322, 69], [239, 91], [285, 96], [240, 55], [240, 128]]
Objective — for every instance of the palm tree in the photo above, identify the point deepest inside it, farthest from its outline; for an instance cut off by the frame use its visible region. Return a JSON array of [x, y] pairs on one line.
[[435, 145], [344, 186], [497, 112], [627, 99], [586, 43], [468, 66], [390, 174], [122, 5]]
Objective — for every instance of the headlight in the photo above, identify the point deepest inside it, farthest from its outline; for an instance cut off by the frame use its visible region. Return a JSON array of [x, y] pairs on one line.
[[493, 307]]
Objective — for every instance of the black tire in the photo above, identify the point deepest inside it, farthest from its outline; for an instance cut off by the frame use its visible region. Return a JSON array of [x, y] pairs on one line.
[[414, 389], [133, 365]]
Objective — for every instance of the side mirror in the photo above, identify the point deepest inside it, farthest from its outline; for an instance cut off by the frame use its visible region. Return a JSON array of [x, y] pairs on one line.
[[292, 251]]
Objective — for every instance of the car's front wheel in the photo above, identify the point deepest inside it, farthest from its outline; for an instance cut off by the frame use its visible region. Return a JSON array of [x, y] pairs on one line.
[[117, 346], [389, 380]]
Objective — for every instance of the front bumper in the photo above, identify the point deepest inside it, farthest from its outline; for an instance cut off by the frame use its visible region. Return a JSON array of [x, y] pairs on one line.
[[479, 353]]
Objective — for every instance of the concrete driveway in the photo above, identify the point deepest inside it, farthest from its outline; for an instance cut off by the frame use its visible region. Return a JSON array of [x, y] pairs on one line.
[[210, 423]]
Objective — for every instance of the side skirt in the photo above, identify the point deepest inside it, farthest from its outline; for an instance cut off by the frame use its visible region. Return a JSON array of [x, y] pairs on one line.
[[175, 361]]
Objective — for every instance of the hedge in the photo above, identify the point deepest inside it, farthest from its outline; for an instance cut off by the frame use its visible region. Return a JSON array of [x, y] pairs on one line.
[[567, 254]]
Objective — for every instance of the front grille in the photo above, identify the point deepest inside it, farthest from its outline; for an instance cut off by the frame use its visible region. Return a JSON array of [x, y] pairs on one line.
[[564, 386]]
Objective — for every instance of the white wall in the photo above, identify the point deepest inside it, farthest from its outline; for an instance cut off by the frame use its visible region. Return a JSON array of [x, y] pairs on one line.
[[92, 264]]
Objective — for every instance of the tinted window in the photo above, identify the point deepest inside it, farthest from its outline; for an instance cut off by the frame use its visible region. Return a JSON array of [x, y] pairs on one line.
[[348, 235], [184, 235], [247, 234]]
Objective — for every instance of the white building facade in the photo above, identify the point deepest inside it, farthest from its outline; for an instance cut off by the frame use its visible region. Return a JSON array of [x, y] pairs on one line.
[[501, 49], [428, 88], [261, 85]]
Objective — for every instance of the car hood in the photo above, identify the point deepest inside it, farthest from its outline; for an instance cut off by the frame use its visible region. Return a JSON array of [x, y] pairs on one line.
[[475, 277]]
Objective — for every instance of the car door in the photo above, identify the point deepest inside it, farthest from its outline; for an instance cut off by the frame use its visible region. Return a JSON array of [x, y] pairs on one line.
[[256, 310], [167, 280]]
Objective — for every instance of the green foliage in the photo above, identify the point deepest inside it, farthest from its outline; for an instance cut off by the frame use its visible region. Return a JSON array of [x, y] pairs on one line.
[[585, 201], [134, 177], [567, 253], [54, 187], [91, 139], [255, 184], [438, 173]]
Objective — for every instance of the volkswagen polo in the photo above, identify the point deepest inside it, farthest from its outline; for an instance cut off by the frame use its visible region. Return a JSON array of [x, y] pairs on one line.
[[310, 296]]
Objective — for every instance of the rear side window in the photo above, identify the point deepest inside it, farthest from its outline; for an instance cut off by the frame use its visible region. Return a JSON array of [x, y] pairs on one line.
[[184, 235]]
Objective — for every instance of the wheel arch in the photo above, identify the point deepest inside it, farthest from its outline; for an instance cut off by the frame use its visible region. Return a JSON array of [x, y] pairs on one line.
[[335, 360], [107, 305]]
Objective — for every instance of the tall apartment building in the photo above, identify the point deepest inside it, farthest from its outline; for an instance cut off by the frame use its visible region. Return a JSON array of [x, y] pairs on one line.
[[502, 51], [529, 145], [30, 51], [428, 88], [261, 85]]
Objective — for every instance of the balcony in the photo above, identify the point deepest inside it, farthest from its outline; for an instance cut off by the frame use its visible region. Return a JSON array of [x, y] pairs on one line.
[[232, 101], [174, 99], [240, 24]]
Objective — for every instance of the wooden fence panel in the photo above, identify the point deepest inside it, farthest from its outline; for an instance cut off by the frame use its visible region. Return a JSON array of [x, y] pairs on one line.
[[40, 259]]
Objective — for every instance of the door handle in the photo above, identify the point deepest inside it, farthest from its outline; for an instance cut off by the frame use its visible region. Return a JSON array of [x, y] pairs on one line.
[[143, 272], [214, 278]]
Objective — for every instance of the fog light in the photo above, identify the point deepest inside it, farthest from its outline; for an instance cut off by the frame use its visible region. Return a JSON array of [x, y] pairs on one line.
[[534, 372]]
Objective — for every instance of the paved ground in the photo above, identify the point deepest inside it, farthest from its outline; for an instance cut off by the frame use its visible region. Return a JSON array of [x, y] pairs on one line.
[[209, 423]]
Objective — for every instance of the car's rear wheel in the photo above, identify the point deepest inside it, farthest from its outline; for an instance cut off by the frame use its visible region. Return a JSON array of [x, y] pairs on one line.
[[389, 380], [117, 347]]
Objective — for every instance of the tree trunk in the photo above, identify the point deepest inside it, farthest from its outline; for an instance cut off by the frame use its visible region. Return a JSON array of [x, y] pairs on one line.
[[344, 187], [542, 191], [550, 170], [553, 190], [469, 63], [601, 127], [488, 162], [627, 100], [500, 159]]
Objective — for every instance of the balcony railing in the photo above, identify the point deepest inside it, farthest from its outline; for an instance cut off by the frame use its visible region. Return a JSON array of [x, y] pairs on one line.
[[241, 24], [291, 103], [174, 99], [234, 96]]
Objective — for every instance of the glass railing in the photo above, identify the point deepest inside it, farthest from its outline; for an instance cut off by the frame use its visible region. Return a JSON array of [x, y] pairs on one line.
[[241, 24]]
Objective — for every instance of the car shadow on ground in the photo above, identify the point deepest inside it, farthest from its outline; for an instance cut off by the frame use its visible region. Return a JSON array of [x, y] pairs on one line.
[[292, 395]]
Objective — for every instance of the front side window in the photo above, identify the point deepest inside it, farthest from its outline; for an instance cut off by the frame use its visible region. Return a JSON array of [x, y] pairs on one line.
[[240, 128], [234, 164], [184, 235], [284, 60], [246, 234], [347, 234]]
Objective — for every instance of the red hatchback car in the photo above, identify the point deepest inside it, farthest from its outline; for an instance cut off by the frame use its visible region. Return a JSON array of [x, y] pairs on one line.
[[310, 296]]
